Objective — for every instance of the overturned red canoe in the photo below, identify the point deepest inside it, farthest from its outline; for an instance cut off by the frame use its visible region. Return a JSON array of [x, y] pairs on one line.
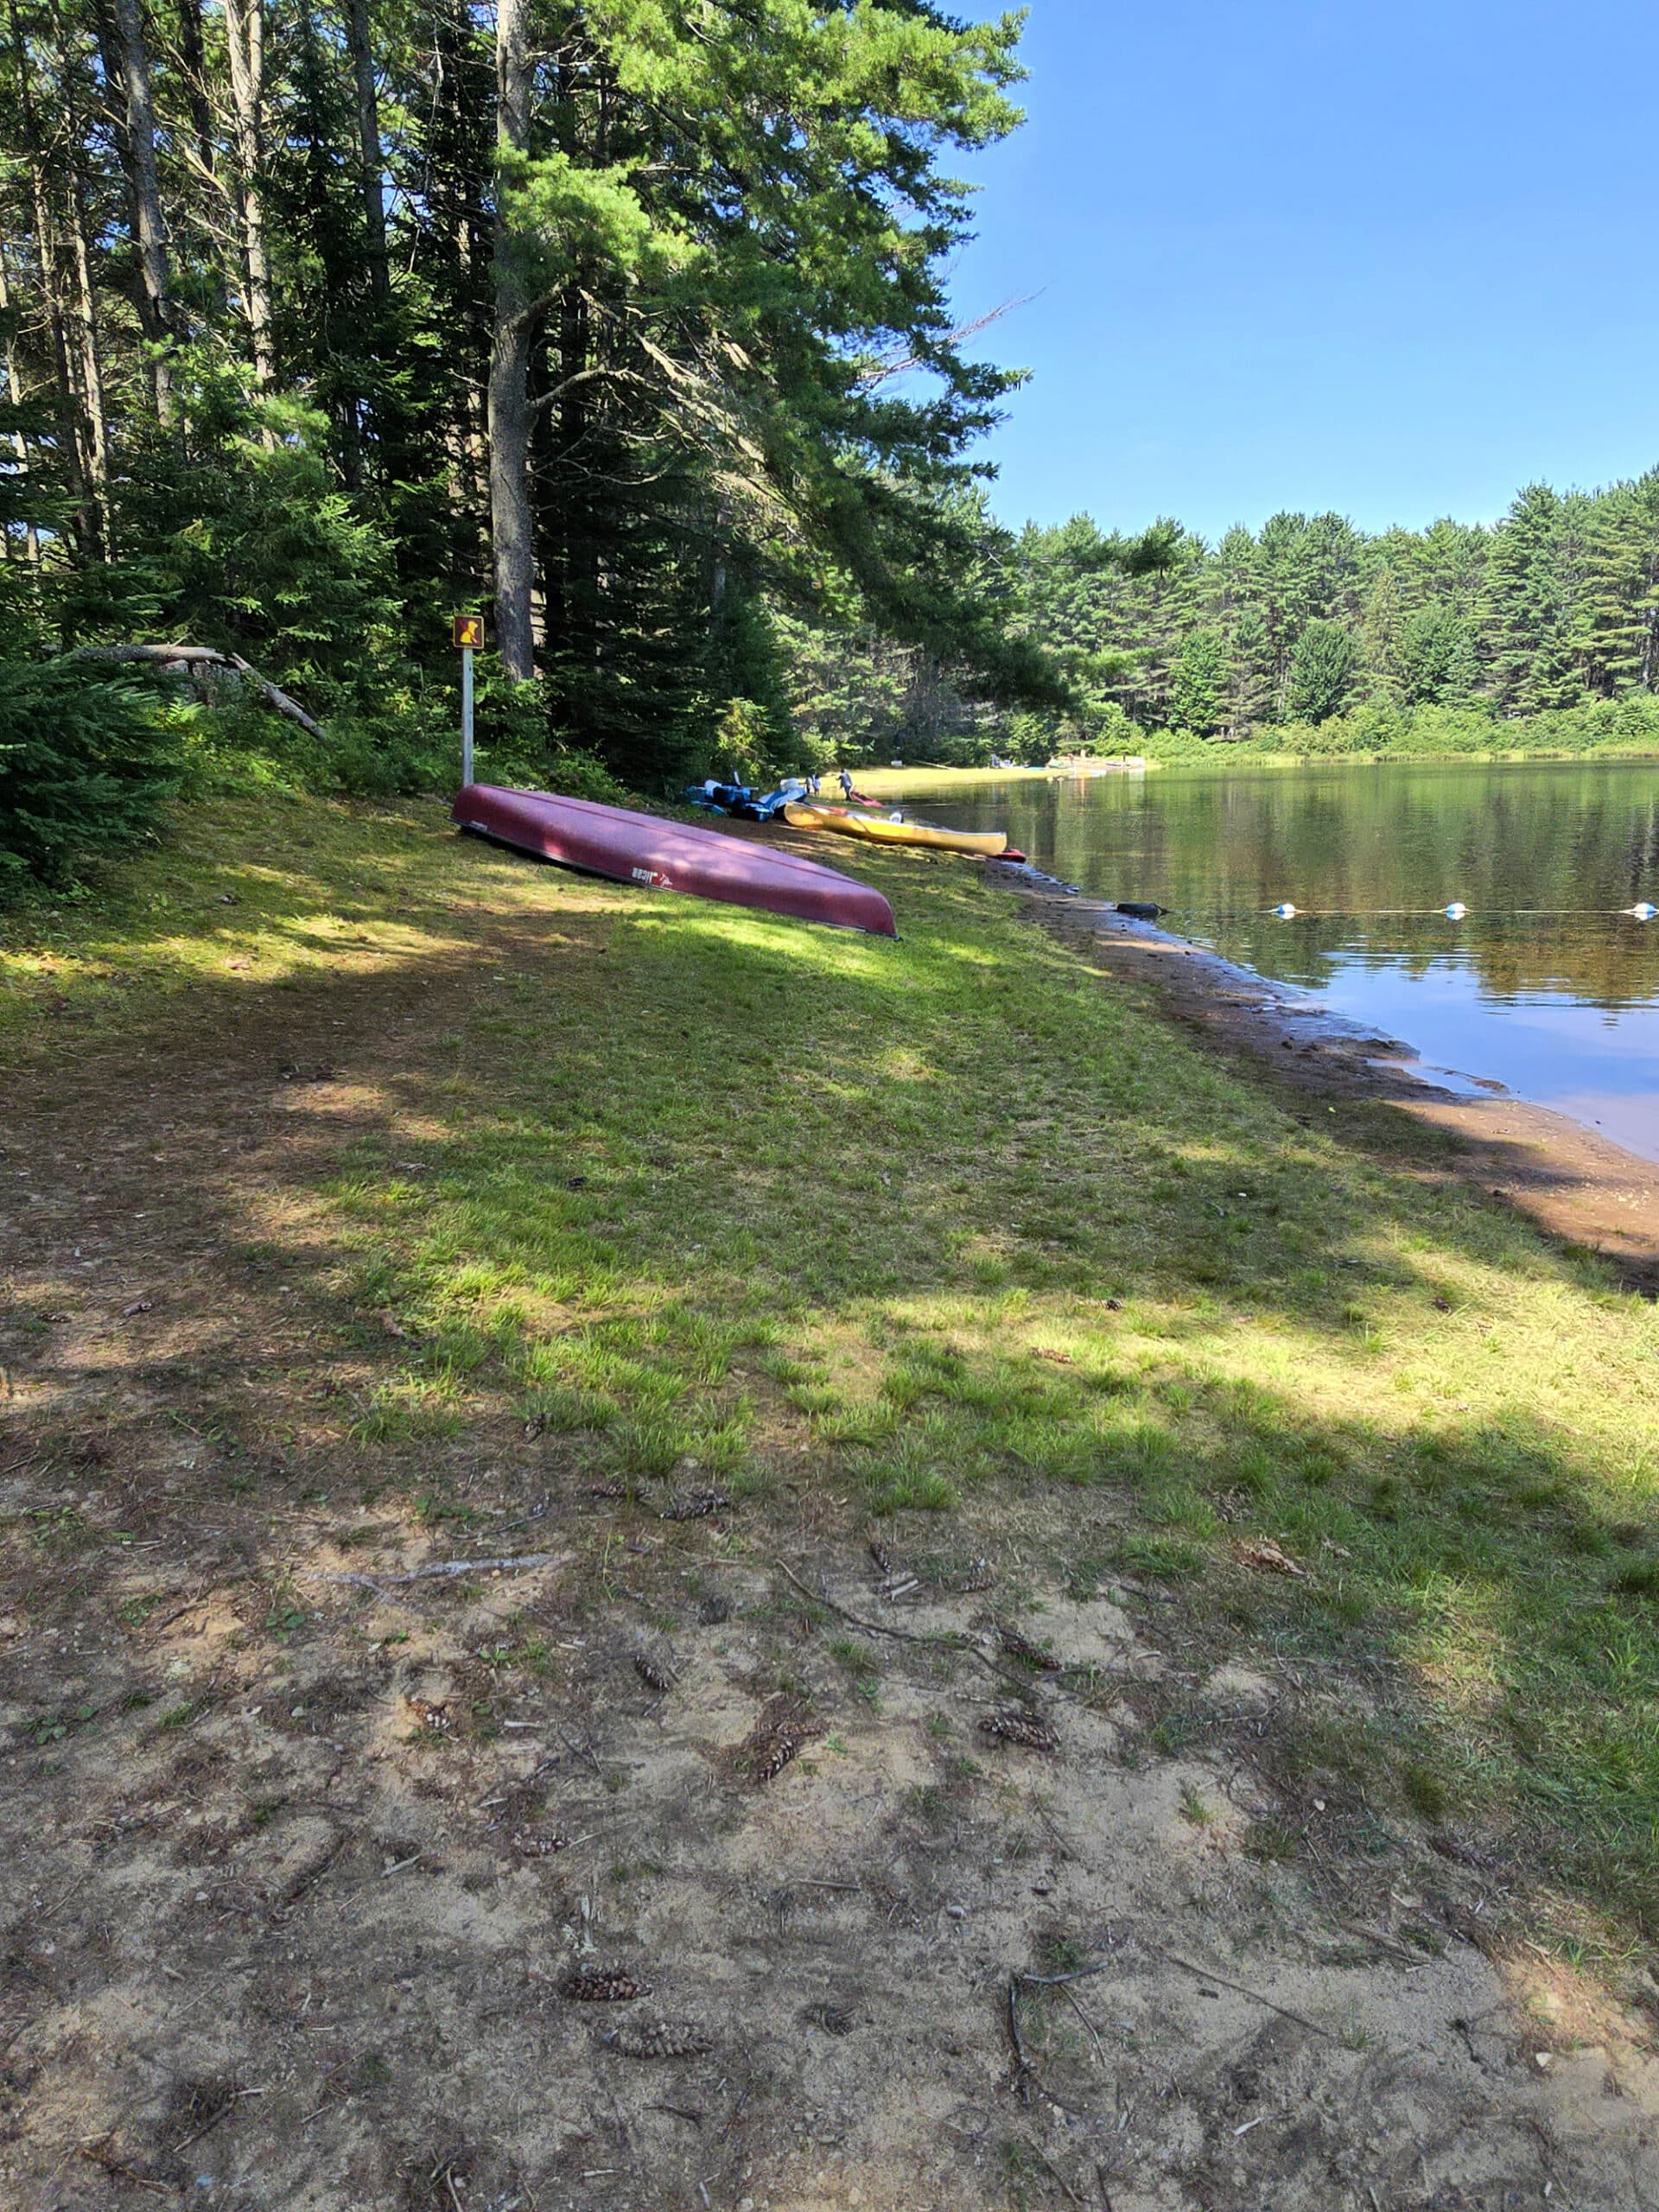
[[670, 856]]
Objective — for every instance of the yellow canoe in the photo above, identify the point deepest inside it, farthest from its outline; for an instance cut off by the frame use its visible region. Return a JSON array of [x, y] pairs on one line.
[[981, 845]]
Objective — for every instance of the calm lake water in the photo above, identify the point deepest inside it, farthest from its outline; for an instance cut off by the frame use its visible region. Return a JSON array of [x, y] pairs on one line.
[[1543, 987]]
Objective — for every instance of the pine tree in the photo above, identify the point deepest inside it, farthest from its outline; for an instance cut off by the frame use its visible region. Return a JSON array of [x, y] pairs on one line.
[[1436, 658], [1322, 669], [1382, 625], [1200, 686], [1615, 619], [1526, 620]]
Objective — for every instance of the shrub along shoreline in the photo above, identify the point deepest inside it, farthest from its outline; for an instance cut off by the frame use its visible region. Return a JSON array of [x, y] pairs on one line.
[[1612, 726], [1610, 729], [946, 1228]]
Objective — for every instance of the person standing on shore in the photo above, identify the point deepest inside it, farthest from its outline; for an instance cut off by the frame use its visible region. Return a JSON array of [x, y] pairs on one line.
[[846, 782]]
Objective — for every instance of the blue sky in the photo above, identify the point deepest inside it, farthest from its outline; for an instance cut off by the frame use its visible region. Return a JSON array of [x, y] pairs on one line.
[[1394, 260]]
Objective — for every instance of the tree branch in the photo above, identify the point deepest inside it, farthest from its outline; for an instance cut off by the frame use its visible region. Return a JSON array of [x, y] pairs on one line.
[[207, 657]]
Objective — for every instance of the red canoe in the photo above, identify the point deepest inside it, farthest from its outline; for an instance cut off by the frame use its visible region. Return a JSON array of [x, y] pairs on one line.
[[670, 856]]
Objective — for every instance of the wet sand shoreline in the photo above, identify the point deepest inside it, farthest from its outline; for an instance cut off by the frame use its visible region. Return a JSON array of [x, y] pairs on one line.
[[1576, 1185]]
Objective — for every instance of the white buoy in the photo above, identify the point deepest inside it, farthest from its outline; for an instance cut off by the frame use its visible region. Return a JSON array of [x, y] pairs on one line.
[[1644, 910], [1287, 913], [1455, 912]]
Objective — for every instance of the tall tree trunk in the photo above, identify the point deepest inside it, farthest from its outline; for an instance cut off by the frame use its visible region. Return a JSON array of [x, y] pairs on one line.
[[332, 309], [369, 153], [195, 59], [14, 392], [511, 528], [102, 545], [157, 297], [578, 596], [98, 527], [53, 284], [245, 36]]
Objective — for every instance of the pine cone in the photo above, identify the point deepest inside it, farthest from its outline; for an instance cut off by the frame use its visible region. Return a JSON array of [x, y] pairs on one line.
[[655, 1672], [779, 1735], [697, 1505], [1267, 1557], [881, 1556], [607, 1490], [528, 1844], [602, 1986], [770, 1760], [981, 1575], [1015, 1725], [658, 2039], [1021, 1647]]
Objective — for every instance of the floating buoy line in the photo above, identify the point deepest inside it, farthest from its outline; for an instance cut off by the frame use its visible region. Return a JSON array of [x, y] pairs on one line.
[[1643, 911]]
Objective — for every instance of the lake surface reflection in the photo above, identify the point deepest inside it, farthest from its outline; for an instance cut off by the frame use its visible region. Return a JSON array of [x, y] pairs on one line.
[[1543, 986]]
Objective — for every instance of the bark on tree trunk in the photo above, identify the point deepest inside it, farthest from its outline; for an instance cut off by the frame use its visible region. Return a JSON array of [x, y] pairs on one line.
[[368, 141], [580, 624], [509, 422], [15, 391], [244, 37], [54, 283], [195, 77], [92, 375], [156, 298]]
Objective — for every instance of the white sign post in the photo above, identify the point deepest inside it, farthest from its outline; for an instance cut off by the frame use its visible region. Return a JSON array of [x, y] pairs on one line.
[[468, 634]]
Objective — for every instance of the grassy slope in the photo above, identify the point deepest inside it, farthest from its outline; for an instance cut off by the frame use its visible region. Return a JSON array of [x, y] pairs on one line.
[[991, 1231]]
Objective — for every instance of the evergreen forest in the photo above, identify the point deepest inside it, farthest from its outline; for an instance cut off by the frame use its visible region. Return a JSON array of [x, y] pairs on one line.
[[628, 323], [1308, 619]]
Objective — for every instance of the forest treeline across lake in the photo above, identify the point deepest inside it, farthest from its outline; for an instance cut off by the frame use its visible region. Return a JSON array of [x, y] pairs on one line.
[[630, 324]]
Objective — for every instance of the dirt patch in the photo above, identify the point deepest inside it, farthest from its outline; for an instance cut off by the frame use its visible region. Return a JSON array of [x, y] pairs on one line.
[[1577, 1187], [302, 1848], [281, 1966]]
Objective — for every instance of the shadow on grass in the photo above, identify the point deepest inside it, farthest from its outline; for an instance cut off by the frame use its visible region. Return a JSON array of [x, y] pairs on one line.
[[689, 1187]]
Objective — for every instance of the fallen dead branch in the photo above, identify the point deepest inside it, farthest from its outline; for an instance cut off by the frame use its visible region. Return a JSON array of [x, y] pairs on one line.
[[1243, 1989], [946, 1637], [207, 657], [1025, 2072], [98, 2153], [521, 1565], [1199, 1973], [935, 1640]]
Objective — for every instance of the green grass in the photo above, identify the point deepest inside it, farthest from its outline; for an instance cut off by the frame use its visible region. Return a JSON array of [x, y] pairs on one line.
[[717, 1198]]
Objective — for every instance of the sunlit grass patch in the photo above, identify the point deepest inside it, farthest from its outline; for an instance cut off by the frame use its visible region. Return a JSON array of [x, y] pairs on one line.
[[944, 1227], [922, 1470], [1170, 1559], [1063, 1451], [817, 1400], [562, 1412], [407, 1408], [789, 1371], [859, 1424], [650, 1445]]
